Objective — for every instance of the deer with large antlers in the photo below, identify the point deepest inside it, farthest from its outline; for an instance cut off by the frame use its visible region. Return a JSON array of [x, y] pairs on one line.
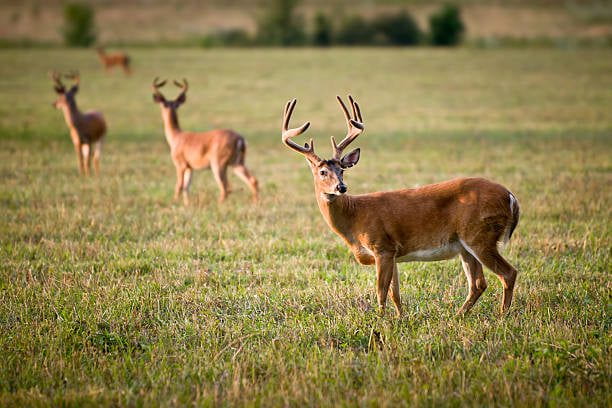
[[465, 216], [110, 60], [87, 129], [217, 149]]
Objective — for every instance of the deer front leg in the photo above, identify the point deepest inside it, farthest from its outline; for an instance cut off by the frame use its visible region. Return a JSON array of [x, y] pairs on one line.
[[394, 291], [77, 149], [385, 265], [179, 182], [186, 183]]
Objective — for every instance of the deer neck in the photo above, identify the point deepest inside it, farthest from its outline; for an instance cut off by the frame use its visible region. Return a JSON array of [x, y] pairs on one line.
[[338, 214], [172, 128], [72, 115]]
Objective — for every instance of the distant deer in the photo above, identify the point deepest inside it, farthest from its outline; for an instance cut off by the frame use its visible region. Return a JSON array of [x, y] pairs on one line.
[[465, 216], [110, 60], [87, 129], [217, 149]]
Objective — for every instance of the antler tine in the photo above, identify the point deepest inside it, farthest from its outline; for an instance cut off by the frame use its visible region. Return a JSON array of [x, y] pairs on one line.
[[157, 84], [308, 149], [184, 86], [56, 77], [57, 80], [74, 75], [354, 126]]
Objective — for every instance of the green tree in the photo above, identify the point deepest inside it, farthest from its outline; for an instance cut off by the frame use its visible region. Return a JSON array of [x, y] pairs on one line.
[[398, 29], [446, 26], [281, 25], [79, 27], [355, 30], [323, 30]]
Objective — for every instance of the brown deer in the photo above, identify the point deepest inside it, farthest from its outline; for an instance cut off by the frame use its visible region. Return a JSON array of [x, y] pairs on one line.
[[87, 129], [466, 217], [217, 149], [110, 60]]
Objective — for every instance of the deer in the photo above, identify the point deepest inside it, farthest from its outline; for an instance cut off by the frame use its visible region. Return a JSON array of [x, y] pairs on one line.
[[110, 60], [87, 130], [215, 149], [467, 217]]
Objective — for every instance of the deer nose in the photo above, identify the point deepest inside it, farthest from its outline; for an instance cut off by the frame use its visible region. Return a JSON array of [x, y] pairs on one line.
[[341, 188]]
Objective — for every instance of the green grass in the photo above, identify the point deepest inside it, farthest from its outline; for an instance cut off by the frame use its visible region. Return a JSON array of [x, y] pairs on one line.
[[114, 295]]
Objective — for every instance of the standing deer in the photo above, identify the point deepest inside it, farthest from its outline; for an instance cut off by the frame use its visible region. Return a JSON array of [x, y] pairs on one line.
[[87, 129], [110, 60], [217, 149], [466, 217]]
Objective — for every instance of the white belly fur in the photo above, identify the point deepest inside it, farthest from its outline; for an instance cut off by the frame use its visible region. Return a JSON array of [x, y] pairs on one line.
[[440, 253]]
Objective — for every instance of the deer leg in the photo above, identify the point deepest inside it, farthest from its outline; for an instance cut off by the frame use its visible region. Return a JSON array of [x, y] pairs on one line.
[[220, 173], [385, 264], [179, 182], [85, 153], [245, 175], [97, 151], [476, 280], [186, 184], [394, 291], [490, 257], [77, 149]]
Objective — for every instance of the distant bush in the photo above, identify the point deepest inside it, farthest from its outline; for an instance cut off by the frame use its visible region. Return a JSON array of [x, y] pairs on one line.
[[234, 37], [323, 30], [281, 26], [446, 26], [355, 30], [397, 29], [79, 30]]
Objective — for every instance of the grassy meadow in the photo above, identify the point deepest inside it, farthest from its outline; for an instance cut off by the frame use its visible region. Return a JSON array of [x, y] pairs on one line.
[[112, 294]]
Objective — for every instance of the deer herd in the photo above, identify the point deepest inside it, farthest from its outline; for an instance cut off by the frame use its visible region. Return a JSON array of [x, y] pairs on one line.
[[466, 217]]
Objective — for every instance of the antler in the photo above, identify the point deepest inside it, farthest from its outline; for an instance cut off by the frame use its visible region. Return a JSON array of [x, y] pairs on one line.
[[308, 149], [157, 84], [184, 86], [74, 75], [354, 127], [56, 77]]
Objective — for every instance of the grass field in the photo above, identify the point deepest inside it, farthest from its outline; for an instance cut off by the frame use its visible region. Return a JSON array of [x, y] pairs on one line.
[[114, 295]]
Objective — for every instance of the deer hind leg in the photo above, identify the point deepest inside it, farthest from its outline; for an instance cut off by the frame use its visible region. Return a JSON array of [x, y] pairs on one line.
[[97, 152], [394, 291], [490, 257], [220, 173], [245, 175], [86, 152], [186, 183], [385, 265], [476, 280]]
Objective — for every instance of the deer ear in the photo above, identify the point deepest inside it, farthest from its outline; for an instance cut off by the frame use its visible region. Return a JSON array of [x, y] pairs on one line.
[[59, 89], [350, 159], [181, 98], [157, 98], [74, 89]]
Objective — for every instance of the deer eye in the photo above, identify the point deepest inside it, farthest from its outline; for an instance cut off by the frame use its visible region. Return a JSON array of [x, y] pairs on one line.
[[323, 172]]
